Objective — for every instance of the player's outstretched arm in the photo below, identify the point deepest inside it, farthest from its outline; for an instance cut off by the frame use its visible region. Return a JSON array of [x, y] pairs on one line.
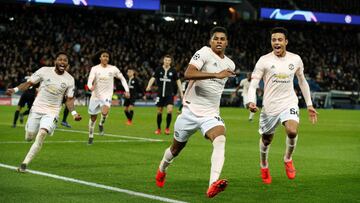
[[178, 83], [312, 114], [252, 95], [22, 87], [70, 105], [151, 82], [252, 107]]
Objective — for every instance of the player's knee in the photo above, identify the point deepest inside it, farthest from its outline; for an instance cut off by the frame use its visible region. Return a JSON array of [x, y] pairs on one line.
[[29, 136], [176, 149], [292, 133], [266, 139]]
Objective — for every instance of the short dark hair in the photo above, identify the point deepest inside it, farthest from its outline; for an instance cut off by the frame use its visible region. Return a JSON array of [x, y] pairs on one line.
[[61, 53], [96, 58], [218, 29], [167, 56], [280, 30]]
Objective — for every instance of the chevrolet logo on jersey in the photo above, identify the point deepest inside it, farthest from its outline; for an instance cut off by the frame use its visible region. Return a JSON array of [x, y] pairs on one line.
[[281, 76]]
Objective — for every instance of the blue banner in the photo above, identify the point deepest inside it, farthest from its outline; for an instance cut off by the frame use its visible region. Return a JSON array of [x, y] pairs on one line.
[[308, 16], [127, 4]]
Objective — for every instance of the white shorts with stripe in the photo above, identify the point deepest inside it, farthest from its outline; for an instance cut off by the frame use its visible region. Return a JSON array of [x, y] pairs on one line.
[[37, 121], [96, 104], [268, 124], [188, 123]]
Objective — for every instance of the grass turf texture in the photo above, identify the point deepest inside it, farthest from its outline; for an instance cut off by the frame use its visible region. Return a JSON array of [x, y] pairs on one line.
[[326, 159]]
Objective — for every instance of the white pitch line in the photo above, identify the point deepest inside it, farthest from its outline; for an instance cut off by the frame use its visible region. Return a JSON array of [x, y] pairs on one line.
[[72, 141], [96, 185], [107, 134], [111, 135]]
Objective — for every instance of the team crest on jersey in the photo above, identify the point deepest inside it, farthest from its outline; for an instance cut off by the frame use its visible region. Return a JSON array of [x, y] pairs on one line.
[[170, 74], [63, 85], [291, 66], [196, 56], [272, 67]]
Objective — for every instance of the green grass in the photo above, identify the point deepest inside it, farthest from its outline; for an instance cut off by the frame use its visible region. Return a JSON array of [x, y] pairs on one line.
[[327, 159]]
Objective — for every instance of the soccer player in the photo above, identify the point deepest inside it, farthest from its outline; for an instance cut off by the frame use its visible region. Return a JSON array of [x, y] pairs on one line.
[[27, 98], [208, 71], [245, 83], [165, 77], [55, 82], [101, 83], [280, 104], [135, 89]]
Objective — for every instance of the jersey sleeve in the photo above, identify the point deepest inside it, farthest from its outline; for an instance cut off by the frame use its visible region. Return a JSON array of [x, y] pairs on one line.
[[259, 69], [120, 76], [71, 89], [91, 78], [199, 58], [37, 76]]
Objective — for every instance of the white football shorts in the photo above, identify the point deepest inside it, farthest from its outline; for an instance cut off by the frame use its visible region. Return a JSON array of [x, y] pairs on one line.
[[37, 121], [268, 124], [188, 123], [96, 104]]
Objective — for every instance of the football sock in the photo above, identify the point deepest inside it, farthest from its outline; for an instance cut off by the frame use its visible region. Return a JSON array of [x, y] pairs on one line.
[[66, 113], [127, 114], [217, 158], [168, 120], [91, 128], [16, 116], [102, 120], [290, 148], [251, 116], [264, 151], [159, 119], [131, 114], [36, 146], [166, 160]]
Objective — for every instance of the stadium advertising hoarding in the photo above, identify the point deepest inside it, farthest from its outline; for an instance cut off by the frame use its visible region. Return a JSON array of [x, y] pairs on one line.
[[308, 16], [127, 4]]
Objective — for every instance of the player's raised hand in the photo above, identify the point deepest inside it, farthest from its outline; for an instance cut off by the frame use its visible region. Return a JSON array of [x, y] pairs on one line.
[[77, 117], [10, 91], [252, 107], [312, 114]]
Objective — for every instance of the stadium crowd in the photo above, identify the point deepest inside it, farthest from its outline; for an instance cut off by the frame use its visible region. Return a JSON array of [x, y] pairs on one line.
[[31, 35]]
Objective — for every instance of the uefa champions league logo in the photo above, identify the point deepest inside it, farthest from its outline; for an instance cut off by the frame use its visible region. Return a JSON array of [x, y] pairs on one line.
[[129, 3], [308, 15]]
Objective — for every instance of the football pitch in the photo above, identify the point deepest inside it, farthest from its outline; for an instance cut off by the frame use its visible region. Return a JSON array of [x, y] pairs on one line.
[[121, 166]]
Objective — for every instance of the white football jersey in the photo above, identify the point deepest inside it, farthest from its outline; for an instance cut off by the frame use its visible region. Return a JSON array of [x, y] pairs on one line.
[[278, 75], [53, 88], [102, 78], [202, 97]]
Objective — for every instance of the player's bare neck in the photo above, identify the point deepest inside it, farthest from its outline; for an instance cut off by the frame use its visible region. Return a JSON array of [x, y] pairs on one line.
[[166, 67], [59, 72], [281, 55], [103, 65], [219, 53]]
